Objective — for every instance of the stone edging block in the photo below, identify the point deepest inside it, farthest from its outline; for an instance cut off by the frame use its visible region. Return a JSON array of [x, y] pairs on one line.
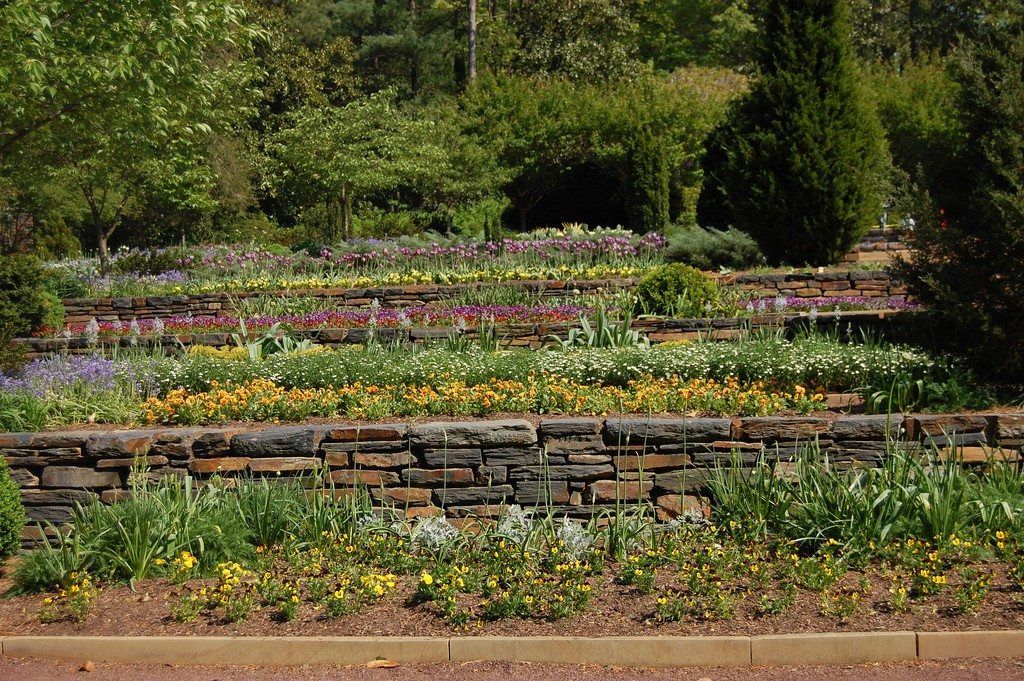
[[833, 648], [229, 650], [626, 651], [944, 645], [621, 651]]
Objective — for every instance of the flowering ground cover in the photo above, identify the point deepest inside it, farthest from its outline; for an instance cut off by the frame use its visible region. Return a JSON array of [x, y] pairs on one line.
[[459, 316], [592, 254], [753, 376], [256, 557]]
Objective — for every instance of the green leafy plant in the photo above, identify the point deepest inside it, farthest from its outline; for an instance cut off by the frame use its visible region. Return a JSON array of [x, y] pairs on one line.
[[678, 290], [12, 513]]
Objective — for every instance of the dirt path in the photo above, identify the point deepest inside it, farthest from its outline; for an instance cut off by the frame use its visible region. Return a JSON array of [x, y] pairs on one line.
[[960, 670]]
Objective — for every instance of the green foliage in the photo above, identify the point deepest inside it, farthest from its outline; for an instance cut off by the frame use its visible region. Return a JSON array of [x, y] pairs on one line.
[[917, 106], [965, 259], [798, 162], [25, 302], [603, 333], [648, 183], [713, 249], [678, 290], [545, 132], [12, 514], [676, 33], [908, 496], [339, 155]]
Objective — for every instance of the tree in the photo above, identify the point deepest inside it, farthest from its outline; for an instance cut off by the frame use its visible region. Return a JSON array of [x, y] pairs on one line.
[[798, 163], [78, 66], [674, 33], [338, 155], [119, 99], [648, 183], [966, 264]]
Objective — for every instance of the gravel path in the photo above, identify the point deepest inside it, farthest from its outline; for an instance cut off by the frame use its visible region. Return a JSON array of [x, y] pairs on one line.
[[959, 670]]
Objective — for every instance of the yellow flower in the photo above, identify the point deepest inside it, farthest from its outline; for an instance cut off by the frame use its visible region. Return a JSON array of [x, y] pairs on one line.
[[427, 578]]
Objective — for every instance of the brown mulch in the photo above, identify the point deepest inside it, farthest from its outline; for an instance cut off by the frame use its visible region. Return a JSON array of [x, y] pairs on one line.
[[614, 610]]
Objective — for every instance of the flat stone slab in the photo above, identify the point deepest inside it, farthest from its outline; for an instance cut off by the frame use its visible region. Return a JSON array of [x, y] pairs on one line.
[[833, 648], [473, 434], [229, 651], [624, 651], [945, 645]]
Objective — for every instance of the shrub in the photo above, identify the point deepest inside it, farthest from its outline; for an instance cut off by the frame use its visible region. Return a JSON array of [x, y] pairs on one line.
[[678, 290], [798, 163], [152, 261], [713, 249], [12, 514], [648, 183], [25, 302]]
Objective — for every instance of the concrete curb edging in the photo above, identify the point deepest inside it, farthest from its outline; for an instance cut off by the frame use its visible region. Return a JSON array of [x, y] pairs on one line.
[[619, 651]]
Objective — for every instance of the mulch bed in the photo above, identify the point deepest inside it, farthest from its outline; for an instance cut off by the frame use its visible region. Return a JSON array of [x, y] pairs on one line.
[[614, 610]]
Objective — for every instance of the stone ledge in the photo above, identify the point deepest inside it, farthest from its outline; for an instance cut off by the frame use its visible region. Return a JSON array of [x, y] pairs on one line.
[[829, 648]]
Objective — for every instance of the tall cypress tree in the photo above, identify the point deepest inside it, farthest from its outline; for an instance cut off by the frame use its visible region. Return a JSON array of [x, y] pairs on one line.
[[967, 262], [647, 183], [798, 161]]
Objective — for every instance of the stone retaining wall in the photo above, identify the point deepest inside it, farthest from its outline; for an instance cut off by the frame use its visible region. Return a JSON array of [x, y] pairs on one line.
[[509, 335], [577, 465], [870, 284]]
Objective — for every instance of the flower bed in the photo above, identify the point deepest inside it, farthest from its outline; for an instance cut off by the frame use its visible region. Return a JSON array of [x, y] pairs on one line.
[[264, 558], [742, 377]]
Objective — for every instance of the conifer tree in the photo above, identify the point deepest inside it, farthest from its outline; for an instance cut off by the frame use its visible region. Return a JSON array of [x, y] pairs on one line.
[[798, 162]]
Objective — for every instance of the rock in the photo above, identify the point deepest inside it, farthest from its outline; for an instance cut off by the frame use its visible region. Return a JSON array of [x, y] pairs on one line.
[[610, 490], [289, 441], [554, 429], [365, 478], [652, 462], [119, 444], [374, 433], [473, 434], [214, 443], [875, 427], [619, 431], [512, 456], [534, 492], [438, 476], [588, 445], [72, 476], [575, 472], [492, 474], [414, 496], [56, 497], [473, 495], [373, 460], [284, 463], [453, 457], [677, 482], [87, 666], [223, 464], [24, 478], [148, 461], [783, 428]]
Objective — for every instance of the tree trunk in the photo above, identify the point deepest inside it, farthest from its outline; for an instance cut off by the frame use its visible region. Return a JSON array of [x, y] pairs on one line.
[[346, 219], [522, 219], [103, 240], [471, 61]]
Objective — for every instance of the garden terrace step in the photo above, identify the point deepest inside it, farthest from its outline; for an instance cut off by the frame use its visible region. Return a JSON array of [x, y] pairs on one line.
[[508, 335], [571, 463], [850, 282]]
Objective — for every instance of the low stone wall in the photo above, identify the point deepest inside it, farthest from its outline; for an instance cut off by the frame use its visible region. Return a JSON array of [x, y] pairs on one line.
[[576, 465], [509, 335], [879, 246], [869, 284]]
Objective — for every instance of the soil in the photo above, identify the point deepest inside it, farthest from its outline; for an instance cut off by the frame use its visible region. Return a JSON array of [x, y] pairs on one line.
[[614, 610], [955, 670]]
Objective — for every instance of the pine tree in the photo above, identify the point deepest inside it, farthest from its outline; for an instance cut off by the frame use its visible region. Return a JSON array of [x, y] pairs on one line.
[[968, 261], [648, 184], [798, 161]]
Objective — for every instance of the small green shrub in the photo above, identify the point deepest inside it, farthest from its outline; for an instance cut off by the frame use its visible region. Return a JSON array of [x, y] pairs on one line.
[[678, 290], [12, 514], [153, 261], [25, 302], [713, 249]]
